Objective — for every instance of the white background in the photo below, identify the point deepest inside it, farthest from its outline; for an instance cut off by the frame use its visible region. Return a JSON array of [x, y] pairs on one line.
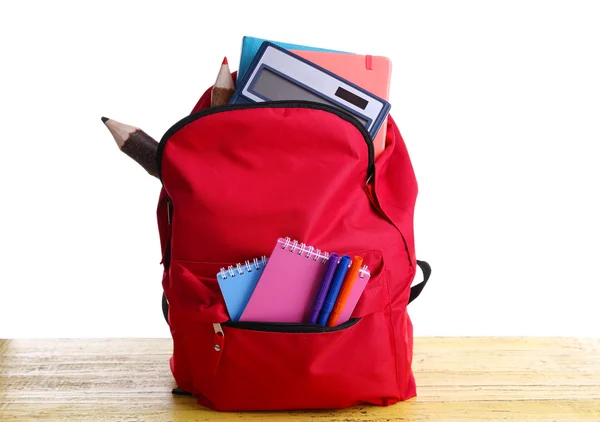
[[498, 102]]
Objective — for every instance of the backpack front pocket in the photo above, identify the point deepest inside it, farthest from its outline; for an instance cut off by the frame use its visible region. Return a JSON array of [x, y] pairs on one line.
[[252, 365], [293, 370]]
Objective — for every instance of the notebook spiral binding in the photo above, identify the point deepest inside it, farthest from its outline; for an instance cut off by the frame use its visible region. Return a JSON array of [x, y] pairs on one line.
[[304, 250], [292, 245], [239, 268]]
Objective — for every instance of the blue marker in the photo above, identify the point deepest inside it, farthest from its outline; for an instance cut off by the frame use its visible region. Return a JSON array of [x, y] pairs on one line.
[[320, 299], [334, 289]]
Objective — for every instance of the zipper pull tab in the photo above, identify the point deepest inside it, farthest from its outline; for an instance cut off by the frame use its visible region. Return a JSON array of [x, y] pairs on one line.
[[219, 336], [219, 342]]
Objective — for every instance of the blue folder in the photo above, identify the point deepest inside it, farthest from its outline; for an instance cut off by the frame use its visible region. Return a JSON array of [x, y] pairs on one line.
[[250, 46]]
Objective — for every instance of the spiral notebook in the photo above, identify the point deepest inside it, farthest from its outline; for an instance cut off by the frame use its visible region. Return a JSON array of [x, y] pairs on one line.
[[237, 284], [288, 285]]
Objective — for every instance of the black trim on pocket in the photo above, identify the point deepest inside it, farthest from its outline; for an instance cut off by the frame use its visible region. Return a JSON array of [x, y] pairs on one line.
[[288, 327], [270, 104], [274, 327]]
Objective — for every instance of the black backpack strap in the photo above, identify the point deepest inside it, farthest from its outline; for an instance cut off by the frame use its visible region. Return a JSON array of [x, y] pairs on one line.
[[416, 290], [165, 308]]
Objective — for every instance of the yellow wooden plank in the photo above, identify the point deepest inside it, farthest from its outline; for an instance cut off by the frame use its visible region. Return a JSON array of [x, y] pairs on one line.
[[182, 409], [459, 379]]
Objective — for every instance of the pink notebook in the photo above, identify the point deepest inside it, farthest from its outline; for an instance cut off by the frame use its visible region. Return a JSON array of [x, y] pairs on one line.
[[288, 284], [357, 289]]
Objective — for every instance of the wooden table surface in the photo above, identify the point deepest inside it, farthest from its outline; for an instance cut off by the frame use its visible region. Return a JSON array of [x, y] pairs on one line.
[[458, 379]]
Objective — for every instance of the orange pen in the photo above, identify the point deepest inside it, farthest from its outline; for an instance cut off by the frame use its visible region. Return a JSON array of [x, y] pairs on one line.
[[345, 291]]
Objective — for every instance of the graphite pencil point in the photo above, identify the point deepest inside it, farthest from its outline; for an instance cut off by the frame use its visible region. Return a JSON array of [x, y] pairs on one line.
[[104, 119], [136, 143]]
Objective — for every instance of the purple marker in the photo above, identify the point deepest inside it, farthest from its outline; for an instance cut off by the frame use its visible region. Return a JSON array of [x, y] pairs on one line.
[[320, 299]]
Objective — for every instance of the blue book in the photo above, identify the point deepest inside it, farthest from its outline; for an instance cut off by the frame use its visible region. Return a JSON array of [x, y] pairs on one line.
[[237, 284], [250, 46]]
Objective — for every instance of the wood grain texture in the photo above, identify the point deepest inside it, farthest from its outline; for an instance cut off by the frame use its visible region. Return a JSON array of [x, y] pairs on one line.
[[458, 379]]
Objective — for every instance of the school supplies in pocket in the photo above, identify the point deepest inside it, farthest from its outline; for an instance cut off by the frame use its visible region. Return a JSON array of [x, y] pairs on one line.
[[293, 283]]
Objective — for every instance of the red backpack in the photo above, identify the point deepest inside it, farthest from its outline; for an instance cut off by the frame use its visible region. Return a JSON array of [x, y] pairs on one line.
[[237, 177]]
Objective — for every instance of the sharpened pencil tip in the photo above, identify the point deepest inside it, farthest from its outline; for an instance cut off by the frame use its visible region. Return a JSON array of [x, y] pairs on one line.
[[104, 119], [224, 61]]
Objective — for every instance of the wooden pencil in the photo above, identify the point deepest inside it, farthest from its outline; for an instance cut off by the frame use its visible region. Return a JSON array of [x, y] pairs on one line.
[[136, 143], [224, 87]]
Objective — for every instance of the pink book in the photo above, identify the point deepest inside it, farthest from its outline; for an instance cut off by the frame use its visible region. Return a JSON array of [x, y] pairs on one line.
[[357, 289], [288, 285]]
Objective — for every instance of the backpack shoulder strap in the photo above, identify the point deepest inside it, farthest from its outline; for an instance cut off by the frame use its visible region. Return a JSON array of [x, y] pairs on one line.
[[416, 290]]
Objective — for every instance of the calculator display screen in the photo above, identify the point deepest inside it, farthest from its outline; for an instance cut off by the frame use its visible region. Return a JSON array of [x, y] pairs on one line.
[[275, 87]]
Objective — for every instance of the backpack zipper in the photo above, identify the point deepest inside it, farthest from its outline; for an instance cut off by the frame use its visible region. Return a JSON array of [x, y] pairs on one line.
[[270, 104], [287, 327]]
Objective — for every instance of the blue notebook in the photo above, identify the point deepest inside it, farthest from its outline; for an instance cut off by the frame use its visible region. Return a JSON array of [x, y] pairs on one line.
[[237, 284], [250, 46]]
